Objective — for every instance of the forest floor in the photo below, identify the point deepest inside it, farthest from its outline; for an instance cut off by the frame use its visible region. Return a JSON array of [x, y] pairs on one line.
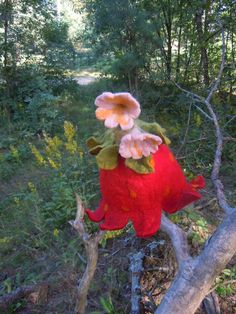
[[56, 258]]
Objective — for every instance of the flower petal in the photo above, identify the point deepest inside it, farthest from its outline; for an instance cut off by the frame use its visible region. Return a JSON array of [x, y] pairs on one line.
[[125, 98], [102, 114], [124, 151], [105, 100], [138, 144], [123, 105], [132, 105], [125, 121], [111, 122]]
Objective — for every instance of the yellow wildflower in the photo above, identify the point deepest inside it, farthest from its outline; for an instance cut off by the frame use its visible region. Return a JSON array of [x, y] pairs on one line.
[[37, 155], [14, 152], [55, 232], [69, 131], [53, 164]]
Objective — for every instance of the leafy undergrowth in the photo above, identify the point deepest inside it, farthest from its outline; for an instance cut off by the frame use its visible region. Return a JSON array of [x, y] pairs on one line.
[[40, 176]]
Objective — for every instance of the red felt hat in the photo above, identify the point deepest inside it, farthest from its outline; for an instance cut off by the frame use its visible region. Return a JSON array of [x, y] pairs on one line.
[[140, 198]]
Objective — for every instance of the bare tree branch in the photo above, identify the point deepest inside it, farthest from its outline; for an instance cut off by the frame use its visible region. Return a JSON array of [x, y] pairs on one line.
[[136, 267], [137, 270], [179, 241], [222, 65], [219, 137], [91, 246], [229, 139], [178, 238], [196, 276], [203, 112]]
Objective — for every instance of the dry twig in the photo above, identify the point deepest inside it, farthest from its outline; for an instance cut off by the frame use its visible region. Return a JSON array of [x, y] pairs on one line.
[[91, 247]]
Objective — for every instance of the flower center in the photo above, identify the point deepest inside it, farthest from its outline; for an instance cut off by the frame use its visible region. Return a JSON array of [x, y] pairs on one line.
[[120, 109]]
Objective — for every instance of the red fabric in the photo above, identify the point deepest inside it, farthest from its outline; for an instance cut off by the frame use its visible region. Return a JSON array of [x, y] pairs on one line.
[[127, 195]]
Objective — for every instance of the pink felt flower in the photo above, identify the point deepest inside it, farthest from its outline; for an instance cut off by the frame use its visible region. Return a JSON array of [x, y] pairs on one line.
[[137, 144], [117, 109]]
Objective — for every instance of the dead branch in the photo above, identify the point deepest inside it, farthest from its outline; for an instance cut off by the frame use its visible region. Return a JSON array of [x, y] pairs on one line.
[[196, 276], [180, 243], [210, 305], [91, 247], [136, 267], [197, 208], [219, 137], [198, 108], [20, 293], [229, 139], [178, 238]]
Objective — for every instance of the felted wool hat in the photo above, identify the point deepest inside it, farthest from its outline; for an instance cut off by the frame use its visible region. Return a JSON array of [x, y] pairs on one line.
[[139, 175]]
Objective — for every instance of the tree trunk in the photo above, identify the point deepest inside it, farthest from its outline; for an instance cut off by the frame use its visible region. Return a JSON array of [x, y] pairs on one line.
[[232, 81], [188, 60], [168, 24], [5, 61], [179, 40], [8, 65], [203, 49], [5, 41], [196, 277], [178, 56]]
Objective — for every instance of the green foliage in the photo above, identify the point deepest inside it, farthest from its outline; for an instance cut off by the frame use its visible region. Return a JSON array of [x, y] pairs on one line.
[[59, 50], [107, 305], [226, 282], [12, 157], [199, 229], [65, 159], [110, 235], [145, 43], [138, 46], [36, 51]]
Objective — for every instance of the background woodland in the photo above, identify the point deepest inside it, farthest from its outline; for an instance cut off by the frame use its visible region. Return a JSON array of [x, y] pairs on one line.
[[55, 58]]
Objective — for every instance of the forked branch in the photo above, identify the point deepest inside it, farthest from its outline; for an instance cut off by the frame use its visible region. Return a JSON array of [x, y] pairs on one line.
[[91, 247], [196, 276], [178, 238]]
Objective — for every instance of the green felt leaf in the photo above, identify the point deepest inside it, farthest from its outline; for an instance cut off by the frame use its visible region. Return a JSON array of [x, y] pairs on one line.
[[96, 144], [144, 165], [92, 142], [93, 145], [154, 128], [107, 158]]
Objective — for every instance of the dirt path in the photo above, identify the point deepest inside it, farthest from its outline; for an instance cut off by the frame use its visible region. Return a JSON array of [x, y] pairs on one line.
[[86, 77], [85, 80]]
